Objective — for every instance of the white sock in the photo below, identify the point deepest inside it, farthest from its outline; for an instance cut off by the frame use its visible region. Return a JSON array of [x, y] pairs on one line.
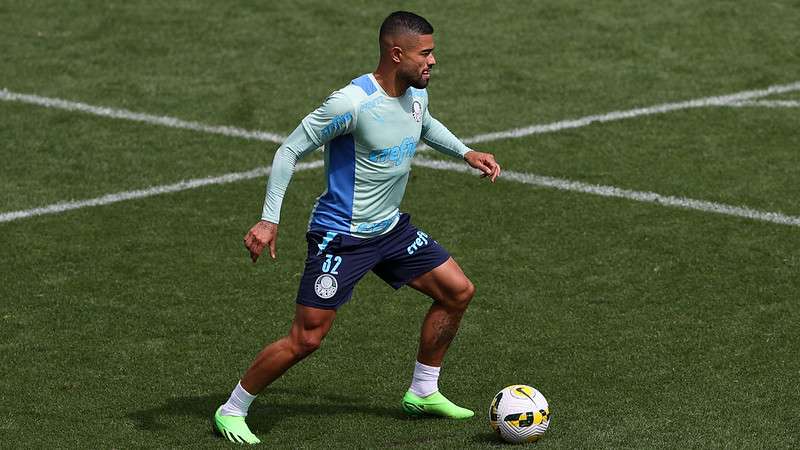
[[238, 403], [425, 381]]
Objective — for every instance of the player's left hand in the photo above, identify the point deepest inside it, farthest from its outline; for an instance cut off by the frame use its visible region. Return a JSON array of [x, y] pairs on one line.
[[484, 162]]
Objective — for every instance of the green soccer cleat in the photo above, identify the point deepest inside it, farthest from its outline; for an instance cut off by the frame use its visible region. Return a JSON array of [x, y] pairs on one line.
[[435, 404], [234, 429]]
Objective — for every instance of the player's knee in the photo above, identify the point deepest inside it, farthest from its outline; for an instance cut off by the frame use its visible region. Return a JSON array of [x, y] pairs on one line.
[[306, 344], [463, 295], [468, 292]]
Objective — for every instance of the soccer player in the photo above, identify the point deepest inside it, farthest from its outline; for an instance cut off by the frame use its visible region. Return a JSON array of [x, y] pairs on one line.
[[370, 130]]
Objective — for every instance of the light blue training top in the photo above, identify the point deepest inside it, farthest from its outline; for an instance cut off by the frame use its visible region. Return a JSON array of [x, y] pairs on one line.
[[370, 139]]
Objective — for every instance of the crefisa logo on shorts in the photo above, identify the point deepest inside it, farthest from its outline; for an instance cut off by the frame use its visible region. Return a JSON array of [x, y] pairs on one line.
[[419, 242], [325, 286]]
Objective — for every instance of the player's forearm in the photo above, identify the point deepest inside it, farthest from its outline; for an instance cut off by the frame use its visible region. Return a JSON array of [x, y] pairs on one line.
[[279, 178], [443, 140], [295, 147]]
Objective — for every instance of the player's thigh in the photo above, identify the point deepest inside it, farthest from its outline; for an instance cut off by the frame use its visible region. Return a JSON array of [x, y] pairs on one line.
[[446, 284]]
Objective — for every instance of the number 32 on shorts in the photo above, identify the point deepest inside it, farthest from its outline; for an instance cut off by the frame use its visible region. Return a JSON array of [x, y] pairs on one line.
[[335, 261]]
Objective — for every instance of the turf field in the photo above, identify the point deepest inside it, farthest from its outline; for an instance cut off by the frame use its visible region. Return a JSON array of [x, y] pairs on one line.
[[662, 323]]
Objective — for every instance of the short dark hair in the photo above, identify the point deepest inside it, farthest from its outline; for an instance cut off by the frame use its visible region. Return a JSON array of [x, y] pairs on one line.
[[400, 22]]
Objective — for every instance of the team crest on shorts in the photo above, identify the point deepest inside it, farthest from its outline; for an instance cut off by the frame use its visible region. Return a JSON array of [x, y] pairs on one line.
[[416, 110], [325, 286]]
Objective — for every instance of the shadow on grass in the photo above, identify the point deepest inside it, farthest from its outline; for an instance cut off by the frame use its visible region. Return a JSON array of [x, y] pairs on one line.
[[484, 439], [279, 405], [489, 439]]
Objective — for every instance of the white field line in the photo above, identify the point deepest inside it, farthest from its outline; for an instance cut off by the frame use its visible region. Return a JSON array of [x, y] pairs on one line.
[[611, 191], [149, 192], [272, 137], [768, 103], [166, 121], [735, 99], [521, 177], [722, 100]]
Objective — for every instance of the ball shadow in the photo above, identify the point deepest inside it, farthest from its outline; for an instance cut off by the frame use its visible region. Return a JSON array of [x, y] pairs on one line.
[[489, 439]]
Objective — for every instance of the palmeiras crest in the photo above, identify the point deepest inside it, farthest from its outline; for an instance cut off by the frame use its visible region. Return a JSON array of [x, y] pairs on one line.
[[325, 286], [416, 110]]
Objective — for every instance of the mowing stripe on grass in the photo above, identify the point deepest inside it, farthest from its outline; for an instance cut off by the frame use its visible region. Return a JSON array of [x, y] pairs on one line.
[[149, 192], [611, 191], [166, 121], [723, 100]]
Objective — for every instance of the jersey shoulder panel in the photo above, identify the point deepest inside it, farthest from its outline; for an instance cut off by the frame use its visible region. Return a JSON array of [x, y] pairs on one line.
[[354, 94], [365, 84], [335, 117]]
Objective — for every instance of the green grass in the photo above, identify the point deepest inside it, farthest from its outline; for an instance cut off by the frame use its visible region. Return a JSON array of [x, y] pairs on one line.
[[747, 158], [645, 327]]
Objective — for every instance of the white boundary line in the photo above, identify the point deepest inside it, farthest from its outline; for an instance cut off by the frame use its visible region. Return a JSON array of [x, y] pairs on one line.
[[611, 191], [520, 177], [114, 113], [723, 100], [726, 100], [768, 103], [149, 192], [736, 99]]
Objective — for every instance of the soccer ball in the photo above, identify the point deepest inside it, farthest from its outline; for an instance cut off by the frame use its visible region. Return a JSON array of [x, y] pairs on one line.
[[519, 413]]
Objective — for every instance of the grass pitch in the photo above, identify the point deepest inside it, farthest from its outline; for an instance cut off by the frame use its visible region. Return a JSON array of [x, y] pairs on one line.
[[645, 327]]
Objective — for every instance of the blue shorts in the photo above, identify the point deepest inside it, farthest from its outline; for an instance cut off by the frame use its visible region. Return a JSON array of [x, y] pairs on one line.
[[398, 257]]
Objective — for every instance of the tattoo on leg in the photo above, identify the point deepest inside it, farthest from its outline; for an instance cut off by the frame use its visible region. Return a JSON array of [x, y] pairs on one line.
[[446, 329]]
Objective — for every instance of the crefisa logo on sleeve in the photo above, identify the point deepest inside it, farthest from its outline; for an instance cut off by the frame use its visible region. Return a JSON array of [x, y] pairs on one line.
[[336, 123]]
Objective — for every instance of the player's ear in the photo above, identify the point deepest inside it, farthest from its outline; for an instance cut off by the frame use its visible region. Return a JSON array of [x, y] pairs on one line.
[[395, 53]]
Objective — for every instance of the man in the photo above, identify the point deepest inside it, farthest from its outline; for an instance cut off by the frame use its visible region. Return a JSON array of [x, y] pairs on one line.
[[370, 130]]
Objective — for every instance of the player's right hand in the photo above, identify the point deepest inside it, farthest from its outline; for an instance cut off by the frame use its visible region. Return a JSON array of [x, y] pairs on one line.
[[484, 162], [262, 234]]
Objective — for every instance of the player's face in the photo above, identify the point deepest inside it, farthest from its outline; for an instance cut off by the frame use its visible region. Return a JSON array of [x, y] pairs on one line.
[[417, 61]]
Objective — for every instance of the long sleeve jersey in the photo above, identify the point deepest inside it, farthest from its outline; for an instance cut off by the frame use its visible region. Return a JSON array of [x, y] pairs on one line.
[[370, 139]]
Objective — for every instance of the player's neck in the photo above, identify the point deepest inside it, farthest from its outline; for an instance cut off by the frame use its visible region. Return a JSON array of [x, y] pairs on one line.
[[391, 84]]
